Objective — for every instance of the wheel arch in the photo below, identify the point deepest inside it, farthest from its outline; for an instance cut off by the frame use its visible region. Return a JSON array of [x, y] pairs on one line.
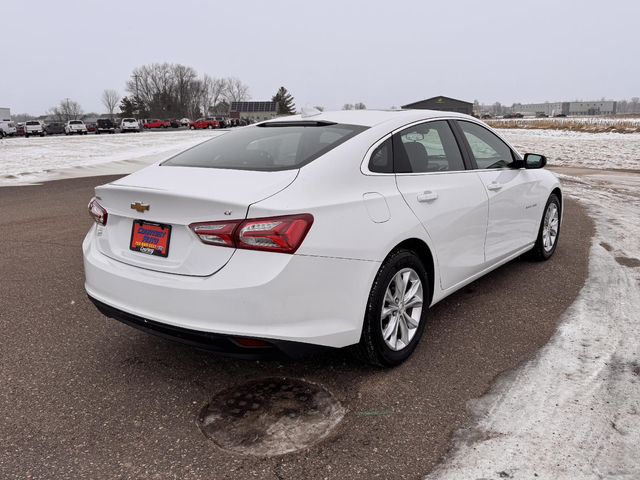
[[422, 250]]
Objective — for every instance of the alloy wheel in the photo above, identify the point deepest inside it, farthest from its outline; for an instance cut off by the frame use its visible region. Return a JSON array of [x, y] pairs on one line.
[[550, 227], [401, 309]]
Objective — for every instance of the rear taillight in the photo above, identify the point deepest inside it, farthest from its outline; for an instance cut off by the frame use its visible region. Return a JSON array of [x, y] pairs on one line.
[[98, 213], [275, 234], [216, 233]]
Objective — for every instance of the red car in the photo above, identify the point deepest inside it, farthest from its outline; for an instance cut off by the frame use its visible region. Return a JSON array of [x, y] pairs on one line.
[[155, 123], [208, 122]]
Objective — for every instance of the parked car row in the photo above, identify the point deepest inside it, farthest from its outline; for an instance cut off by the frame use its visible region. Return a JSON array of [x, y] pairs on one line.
[[105, 125]]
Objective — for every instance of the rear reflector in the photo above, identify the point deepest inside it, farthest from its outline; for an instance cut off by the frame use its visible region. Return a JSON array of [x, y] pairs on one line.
[[275, 234], [249, 342], [98, 213]]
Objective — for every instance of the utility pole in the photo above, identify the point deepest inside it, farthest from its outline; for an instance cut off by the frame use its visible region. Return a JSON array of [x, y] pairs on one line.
[[66, 109], [137, 96]]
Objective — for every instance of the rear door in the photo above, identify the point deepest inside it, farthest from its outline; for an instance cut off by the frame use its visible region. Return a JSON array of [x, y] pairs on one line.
[[445, 194], [513, 191]]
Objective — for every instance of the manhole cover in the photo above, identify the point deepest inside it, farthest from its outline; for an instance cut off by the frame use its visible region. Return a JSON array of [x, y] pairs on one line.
[[270, 416]]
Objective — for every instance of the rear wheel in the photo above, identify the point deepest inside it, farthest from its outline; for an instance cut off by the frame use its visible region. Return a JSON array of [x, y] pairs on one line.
[[192, 127], [164, 126], [210, 127], [549, 231], [396, 311]]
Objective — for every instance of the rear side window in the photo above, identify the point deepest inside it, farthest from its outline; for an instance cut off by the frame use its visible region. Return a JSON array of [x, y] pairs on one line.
[[381, 160], [487, 148], [428, 147], [267, 148]]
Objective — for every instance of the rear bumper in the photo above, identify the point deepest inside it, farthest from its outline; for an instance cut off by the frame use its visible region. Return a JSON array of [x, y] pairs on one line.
[[292, 298], [219, 344]]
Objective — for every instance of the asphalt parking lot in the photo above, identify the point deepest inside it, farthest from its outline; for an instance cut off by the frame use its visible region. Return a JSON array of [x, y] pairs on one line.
[[84, 396]]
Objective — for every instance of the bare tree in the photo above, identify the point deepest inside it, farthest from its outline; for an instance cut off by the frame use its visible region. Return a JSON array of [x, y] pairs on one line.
[[634, 104], [110, 100], [67, 110], [213, 93], [360, 106], [236, 91], [347, 106]]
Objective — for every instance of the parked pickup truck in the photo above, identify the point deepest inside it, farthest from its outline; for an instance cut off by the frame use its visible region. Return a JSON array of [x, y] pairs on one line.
[[155, 123], [75, 126], [105, 125], [208, 122], [54, 128], [33, 127]]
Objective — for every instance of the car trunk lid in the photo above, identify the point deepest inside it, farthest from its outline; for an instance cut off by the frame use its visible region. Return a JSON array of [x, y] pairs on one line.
[[176, 197]]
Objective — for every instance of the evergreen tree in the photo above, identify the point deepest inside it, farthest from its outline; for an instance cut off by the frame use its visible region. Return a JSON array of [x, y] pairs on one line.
[[128, 107], [284, 101]]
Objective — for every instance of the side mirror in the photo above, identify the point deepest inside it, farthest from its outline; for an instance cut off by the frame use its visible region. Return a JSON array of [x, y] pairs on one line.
[[532, 160]]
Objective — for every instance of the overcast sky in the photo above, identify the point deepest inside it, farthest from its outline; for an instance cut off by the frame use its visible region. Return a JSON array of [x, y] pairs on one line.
[[326, 52]]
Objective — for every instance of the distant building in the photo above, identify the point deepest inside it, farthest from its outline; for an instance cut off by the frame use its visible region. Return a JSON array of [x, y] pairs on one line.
[[257, 111], [568, 108], [443, 104]]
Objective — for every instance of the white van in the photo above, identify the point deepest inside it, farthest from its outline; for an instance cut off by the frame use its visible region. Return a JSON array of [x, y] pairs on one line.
[[7, 128]]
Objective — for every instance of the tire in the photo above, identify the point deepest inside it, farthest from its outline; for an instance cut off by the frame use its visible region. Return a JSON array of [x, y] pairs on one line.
[[192, 127], [145, 127], [164, 126], [373, 348], [210, 127], [42, 134], [546, 243], [26, 136]]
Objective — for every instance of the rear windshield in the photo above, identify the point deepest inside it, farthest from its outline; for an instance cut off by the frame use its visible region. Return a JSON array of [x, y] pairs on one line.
[[128, 119], [266, 148], [75, 122], [33, 123]]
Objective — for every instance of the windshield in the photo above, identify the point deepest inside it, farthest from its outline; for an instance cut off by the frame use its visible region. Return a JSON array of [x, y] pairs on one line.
[[267, 148], [33, 123]]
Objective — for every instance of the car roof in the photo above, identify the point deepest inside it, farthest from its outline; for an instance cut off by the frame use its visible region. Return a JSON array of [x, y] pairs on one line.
[[370, 118]]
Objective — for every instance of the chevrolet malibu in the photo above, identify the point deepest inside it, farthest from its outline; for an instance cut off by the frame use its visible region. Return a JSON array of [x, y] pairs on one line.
[[322, 230]]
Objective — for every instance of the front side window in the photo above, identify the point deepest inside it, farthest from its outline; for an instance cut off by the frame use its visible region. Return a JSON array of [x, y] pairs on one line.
[[428, 147], [487, 148], [269, 147]]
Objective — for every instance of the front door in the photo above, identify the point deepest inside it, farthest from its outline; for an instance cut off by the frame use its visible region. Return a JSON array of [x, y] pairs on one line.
[[512, 190]]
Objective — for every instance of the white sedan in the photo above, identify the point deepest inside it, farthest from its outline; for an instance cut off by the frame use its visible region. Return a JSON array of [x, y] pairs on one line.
[[321, 230]]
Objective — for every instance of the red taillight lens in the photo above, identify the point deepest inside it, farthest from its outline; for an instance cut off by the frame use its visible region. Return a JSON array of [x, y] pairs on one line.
[[275, 234], [216, 233], [98, 213]]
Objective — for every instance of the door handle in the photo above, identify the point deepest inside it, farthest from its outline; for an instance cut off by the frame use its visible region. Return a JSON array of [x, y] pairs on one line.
[[494, 186], [427, 196]]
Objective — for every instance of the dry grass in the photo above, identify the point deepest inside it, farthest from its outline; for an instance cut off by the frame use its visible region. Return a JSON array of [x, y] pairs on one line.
[[589, 125]]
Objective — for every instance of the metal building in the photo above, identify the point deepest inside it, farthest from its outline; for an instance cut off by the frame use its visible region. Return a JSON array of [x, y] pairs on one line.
[[443, 104], [568, 108]]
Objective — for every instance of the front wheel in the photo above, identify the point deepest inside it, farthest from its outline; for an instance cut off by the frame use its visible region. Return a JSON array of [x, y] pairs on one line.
[[549, 231], [192, 127], [210, 127], [396, 311]]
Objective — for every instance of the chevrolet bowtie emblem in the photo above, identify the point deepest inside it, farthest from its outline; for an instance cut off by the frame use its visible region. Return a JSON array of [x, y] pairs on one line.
[[139, 207]]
